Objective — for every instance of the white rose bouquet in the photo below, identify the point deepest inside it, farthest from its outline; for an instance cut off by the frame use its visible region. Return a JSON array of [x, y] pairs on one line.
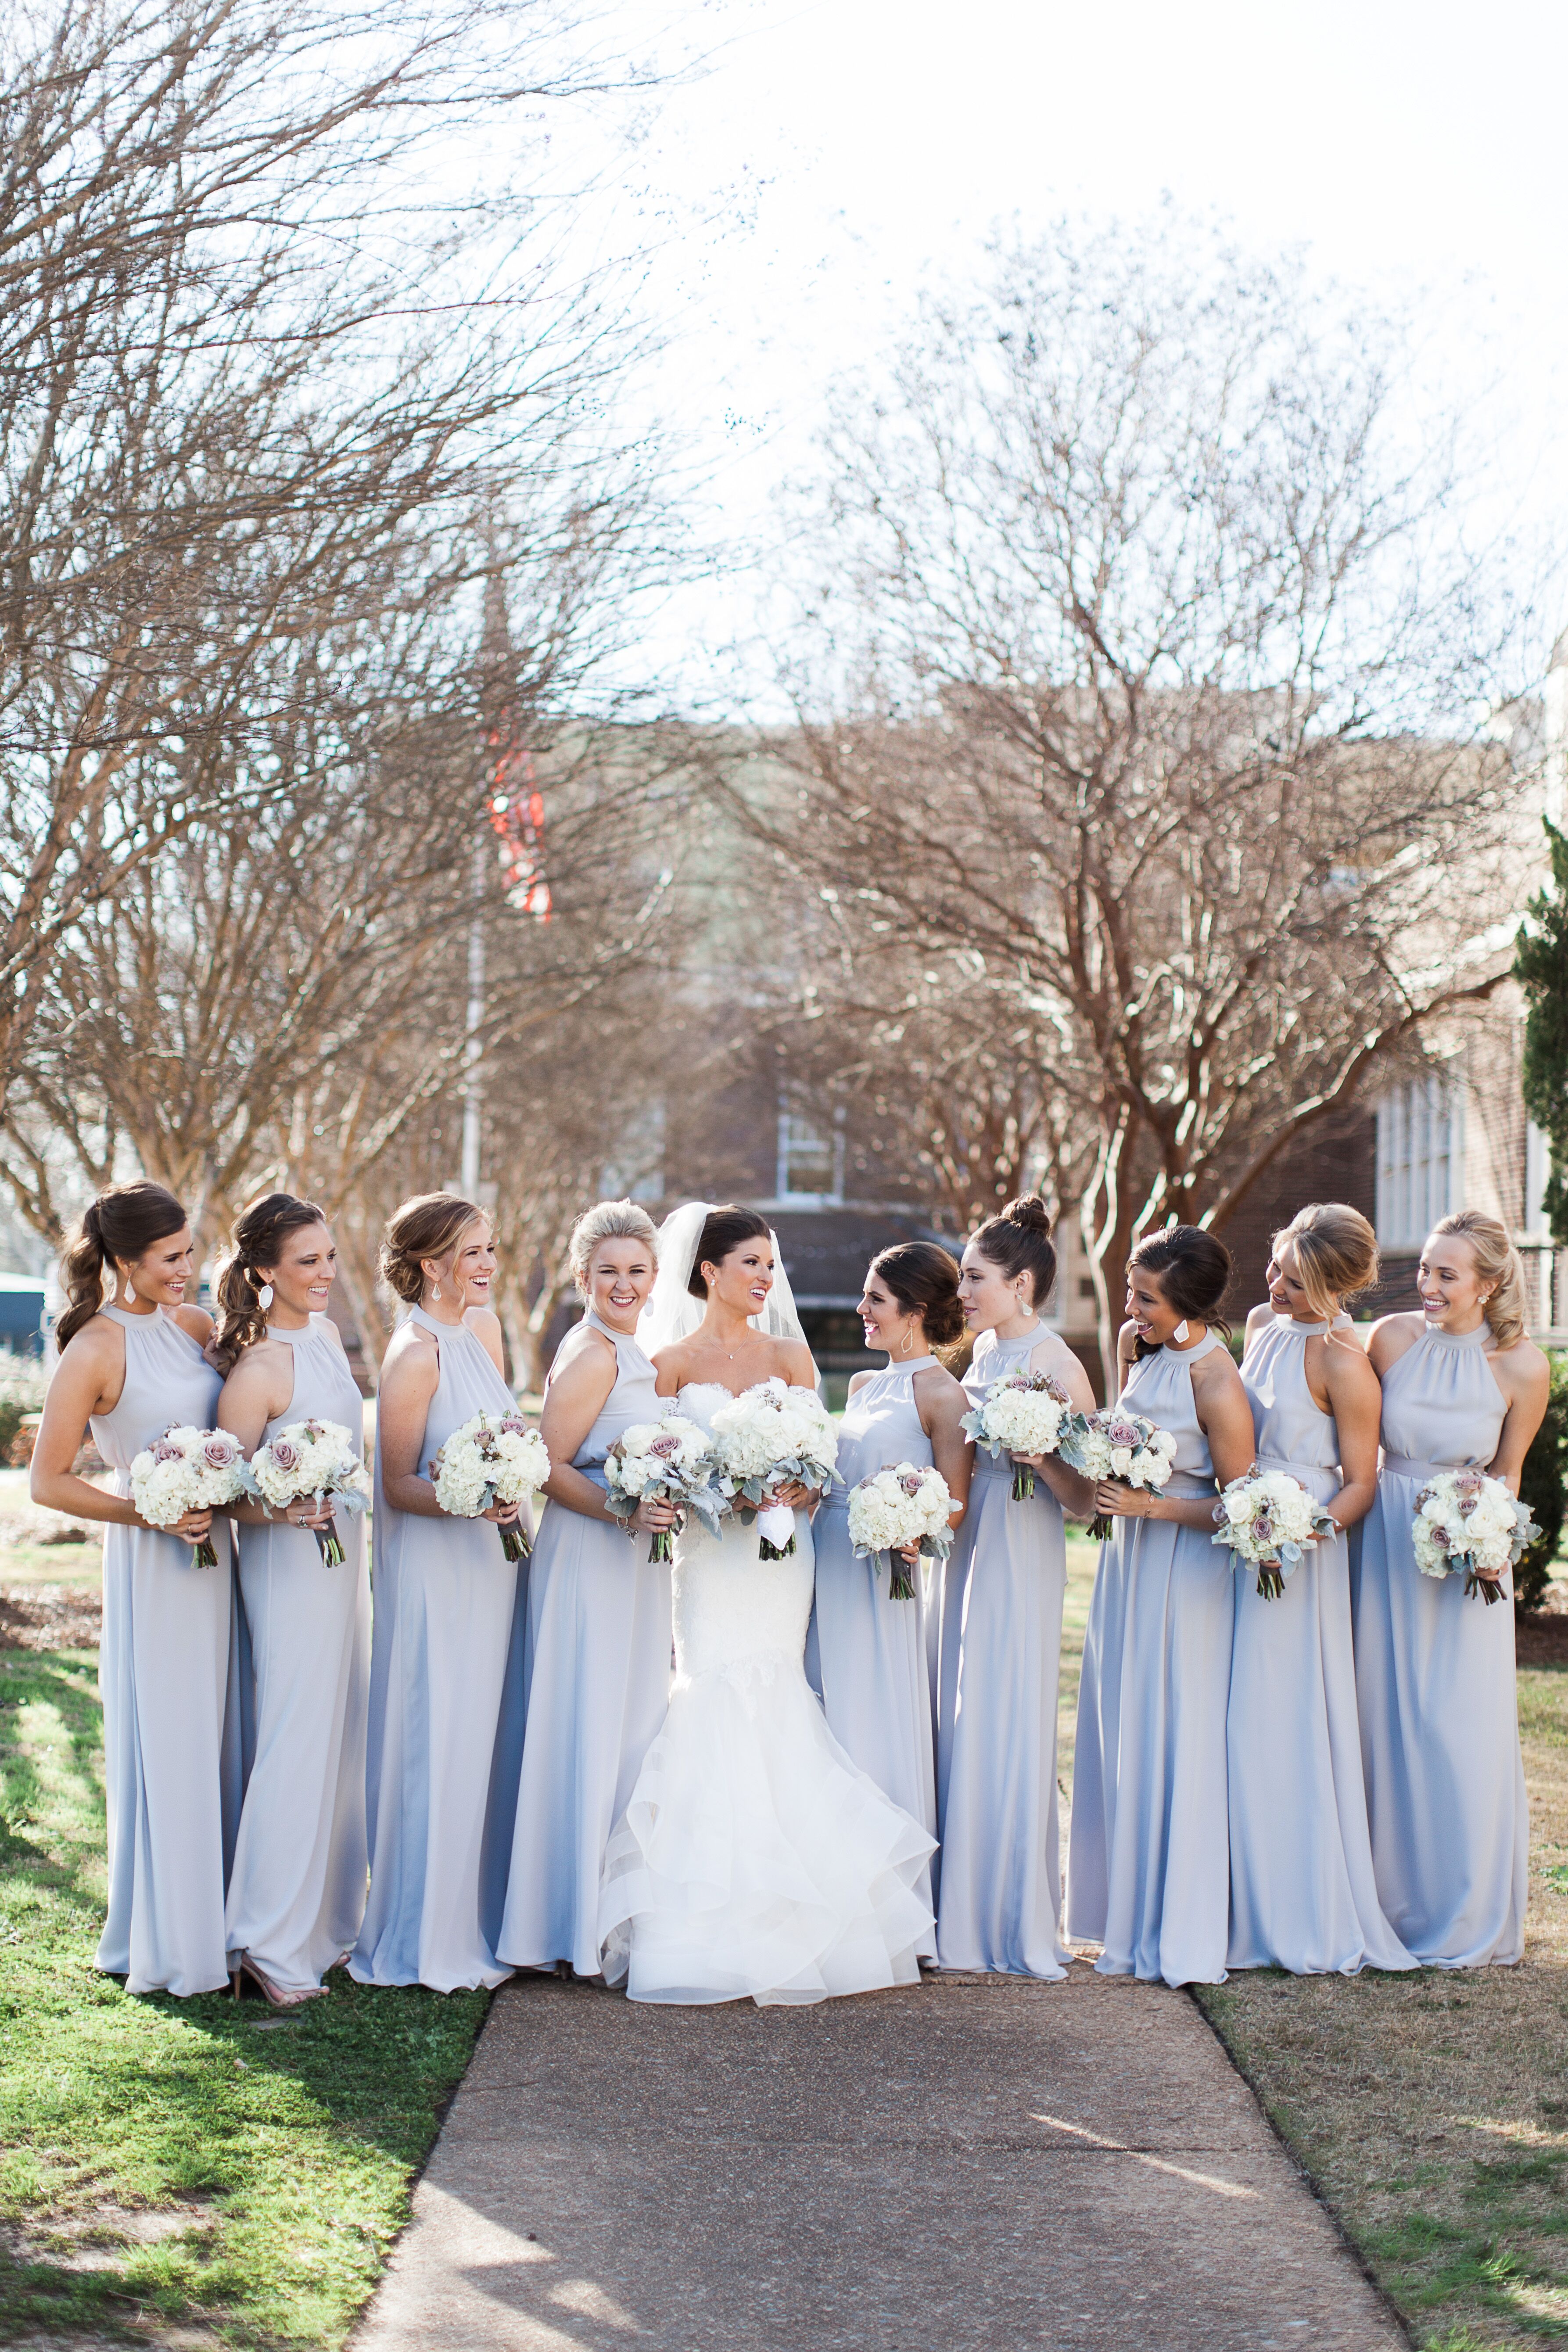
[[894, 1507], [1269, 1520], [319, 1460], [670, 1461], [190, 1469], [1465, 1518], [769, 1436], [493, 1458], [1114, 1443], [1023, 1413]]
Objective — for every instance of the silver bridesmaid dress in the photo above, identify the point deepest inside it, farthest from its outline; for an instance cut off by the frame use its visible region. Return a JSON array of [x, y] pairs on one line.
[[297, 1891], [1302, 1892], [600, 1638], [170, 1724], [866, 1653], [1148, 1868], [999, 1871], [445, 1715], [1435, 1680]]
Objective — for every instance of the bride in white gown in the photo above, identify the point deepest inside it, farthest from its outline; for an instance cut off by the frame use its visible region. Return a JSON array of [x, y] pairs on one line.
[[754, 1858]]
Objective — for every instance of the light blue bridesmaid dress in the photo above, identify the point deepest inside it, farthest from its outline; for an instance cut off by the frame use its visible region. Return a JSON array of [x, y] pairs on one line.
[[296, 1893], [1435, 1679], [170, 1729], [445, 1715], [600, 1637], [1148, 1866], [999, 1876], [1302, 1892], [866, 1652]]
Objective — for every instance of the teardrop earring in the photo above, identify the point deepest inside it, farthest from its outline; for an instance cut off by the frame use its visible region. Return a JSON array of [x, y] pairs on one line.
[[904, 1344], [130, 1291], [263, 1296], [435, 1292], [1181, 1334]]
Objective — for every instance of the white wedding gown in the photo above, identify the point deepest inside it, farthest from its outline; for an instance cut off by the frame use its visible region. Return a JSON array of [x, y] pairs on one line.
[[754, 1858]]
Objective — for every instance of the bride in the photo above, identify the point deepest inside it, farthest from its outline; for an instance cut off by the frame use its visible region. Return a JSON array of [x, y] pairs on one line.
[[754, 1858]]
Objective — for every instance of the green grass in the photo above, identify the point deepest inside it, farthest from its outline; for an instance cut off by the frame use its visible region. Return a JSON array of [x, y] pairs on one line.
[[193, 2163]]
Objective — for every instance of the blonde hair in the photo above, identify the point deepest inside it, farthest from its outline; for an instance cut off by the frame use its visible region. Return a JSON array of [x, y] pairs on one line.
[[427, 1227], [1498, 1263], [607, 1221], [1336, 1252]]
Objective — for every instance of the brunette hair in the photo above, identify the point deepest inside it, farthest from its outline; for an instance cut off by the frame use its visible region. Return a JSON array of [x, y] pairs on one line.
[[608, 1221], [123, 1224], [723, 1229], [427, 1227], [256, 1243], [1019, 1241], [923, 1278], [1195, 1274], [1497, 1262], [1336, 1250]]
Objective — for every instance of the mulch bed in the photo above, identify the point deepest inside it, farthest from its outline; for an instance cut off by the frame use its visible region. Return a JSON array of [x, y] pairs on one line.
[[49, 1617]]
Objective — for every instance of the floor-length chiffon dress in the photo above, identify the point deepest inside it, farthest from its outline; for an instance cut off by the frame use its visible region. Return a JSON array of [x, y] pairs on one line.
[[599, 1648], [297, 1891], [1303, 1896], [1147, 1862], [445, 1715], [999, 1871], [867, 1652], [1434, 1681], [166, 1671]]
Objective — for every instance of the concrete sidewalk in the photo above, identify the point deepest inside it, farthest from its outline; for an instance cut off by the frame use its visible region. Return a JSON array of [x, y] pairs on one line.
[[984, 2162]]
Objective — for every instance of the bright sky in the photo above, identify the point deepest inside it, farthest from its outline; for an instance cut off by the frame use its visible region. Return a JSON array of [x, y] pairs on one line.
[[830, 154]]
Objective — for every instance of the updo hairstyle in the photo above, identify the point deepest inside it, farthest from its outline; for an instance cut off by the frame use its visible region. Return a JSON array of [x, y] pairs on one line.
[[1498, 1265], [427, 1227], [256, 1244], [1018, 1240], [1336, 1254], [1195, 1274], [608, 1221], [120, 1225], [723, 1229], [923, 1278]]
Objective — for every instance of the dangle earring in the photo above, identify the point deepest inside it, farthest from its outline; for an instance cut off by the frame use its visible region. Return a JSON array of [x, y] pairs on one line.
[[904, 1344], [263, 1296], [435, 1292], [130, 1291], [1181, 1334]]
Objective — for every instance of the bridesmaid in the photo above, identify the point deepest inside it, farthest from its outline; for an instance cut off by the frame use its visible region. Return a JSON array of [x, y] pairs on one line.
[[866, 1652], [1302, 1892], [132, 1365], [999, 1870], [1462, 1389], [1148, 1874], [599, 1611], [296, 1893], [445, 1702]]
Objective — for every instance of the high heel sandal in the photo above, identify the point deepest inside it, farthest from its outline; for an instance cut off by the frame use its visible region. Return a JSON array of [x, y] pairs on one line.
[[275, 1996]]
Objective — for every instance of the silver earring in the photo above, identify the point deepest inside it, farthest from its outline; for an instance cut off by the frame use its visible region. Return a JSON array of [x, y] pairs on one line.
[[130, 1291], [1180, 1335], [264, 1296], [435, 1292]]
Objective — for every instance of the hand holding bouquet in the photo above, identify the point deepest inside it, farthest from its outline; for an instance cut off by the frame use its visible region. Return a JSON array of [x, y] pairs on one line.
[[1269, 1520], [1114, 1445], [1026, 1413], [187, 1470], [315, 1461], [493, 1460], [896, 1509], [1465, 1518], [664, 1461], [773, 1435]]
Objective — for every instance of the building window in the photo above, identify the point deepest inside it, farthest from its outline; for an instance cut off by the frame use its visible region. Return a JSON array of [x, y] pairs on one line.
[[1420, 1158], [810, 1158]]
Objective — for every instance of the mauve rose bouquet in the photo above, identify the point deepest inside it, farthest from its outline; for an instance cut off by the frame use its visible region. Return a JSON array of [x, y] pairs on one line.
[[1126, 1447], [318, 1459], [190, 1469]]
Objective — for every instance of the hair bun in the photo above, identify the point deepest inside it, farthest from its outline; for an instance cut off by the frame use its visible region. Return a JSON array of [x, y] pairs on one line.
[[1030, 1211]]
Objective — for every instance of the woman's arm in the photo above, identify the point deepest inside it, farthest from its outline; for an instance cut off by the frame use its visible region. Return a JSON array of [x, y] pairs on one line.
[[1224, 1416], [1524, 1377], [577, 1395], [1355, 1399], [1072, 1490], [942, 1404], [89, 1379], [259, 1390], [409, 1379]]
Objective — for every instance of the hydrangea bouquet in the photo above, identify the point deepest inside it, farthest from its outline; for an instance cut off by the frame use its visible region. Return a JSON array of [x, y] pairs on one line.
[[318, 1459], [1113, 1444], [769, 1436], [894, 1507], [670, 1461], [190, 1469], [1268, 1520], [1465, 1518], [1023, 1413], [493, 1458]]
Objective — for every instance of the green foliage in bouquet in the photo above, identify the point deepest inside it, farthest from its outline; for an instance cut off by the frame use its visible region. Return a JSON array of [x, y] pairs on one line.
[[1542, 1487]]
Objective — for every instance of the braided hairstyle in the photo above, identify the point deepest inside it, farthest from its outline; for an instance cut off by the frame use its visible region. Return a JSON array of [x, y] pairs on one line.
[[254, 1245], [118, 1227]]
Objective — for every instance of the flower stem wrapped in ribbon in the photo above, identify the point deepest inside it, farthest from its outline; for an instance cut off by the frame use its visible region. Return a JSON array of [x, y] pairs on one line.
[[1269, 1521], [667, 1461], [1023, 1412], [492, 1458], [1115, 1446], [190, 1469], [1469, 1519], [897, 1506], [317, 1461], [769, 1436]]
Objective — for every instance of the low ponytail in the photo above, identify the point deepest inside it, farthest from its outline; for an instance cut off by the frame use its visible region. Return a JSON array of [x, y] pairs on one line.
[[120, 1227], [1498, 1263], [256, 1243]]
